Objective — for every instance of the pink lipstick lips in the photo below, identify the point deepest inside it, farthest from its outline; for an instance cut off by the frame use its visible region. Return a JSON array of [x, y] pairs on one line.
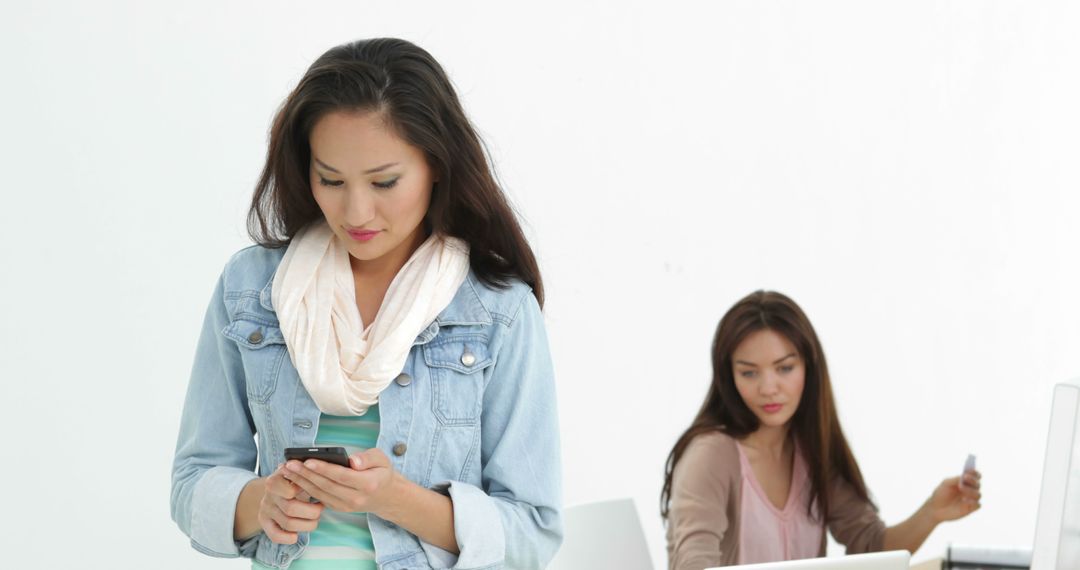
[[362, 235]]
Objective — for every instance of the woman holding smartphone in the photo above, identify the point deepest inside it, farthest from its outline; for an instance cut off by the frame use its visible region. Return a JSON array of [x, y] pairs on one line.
[[765, 467], [391, 306]]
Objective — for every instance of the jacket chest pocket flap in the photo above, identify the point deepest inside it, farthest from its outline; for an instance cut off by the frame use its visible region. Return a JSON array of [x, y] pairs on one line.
[[262, 350], [456, 364]]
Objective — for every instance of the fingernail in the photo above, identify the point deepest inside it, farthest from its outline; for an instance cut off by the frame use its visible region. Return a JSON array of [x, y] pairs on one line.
[[310, 465], [293, 466]]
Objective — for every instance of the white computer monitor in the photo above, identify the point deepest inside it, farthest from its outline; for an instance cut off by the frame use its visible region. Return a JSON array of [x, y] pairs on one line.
[[891, 560], [1057, 528]]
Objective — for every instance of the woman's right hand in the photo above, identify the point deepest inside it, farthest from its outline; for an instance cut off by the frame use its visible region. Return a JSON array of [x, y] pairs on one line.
[[285, 511]]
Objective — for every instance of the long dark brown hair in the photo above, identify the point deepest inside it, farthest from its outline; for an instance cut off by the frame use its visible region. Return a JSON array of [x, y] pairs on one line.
[[814, 425], [405, 84]]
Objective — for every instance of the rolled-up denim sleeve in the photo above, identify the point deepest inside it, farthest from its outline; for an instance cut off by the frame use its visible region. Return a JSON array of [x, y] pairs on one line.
[[215, 450], [515, 519]]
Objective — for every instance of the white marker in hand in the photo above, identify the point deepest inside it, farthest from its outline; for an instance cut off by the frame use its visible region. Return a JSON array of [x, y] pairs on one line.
[[969, 465]]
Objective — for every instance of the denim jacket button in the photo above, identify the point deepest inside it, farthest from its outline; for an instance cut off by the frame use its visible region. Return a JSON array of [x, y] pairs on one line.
[[468, 358], [255, 337], [399, 449], [403, 380]]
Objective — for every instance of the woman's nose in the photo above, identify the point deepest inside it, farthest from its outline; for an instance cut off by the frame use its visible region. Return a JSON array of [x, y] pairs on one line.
[[769, 385], [359, 207]]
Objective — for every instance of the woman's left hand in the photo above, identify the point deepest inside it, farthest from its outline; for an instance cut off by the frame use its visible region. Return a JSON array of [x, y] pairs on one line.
[[366, 486], [956, 497]]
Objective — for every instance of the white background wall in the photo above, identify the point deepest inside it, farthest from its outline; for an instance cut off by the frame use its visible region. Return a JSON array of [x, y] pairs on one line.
[[907, 171]]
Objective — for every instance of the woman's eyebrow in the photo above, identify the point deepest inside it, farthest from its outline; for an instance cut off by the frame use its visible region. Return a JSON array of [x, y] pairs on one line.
[[745, 363], [326, 166], [784, 358], [370, 171], [380, 168]]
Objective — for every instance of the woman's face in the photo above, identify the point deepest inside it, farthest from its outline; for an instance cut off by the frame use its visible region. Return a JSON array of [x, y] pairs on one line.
[[769, 375], [373, 188]]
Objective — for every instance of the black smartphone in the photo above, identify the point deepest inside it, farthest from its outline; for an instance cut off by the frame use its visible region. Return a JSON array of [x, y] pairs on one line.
[[335, 455]]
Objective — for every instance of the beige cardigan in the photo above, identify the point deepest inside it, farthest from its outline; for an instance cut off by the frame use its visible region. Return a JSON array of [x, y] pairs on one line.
[[703, 523]]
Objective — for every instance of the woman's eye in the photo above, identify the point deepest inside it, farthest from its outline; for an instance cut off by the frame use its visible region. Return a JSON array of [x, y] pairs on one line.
[[786, 368], [747, 374], [331, 183], [386, 185]]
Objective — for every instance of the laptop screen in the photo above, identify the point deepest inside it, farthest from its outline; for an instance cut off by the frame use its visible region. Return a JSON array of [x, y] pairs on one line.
[[1057, 528]]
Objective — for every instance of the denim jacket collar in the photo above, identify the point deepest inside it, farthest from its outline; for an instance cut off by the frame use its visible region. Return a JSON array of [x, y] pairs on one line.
[[464, 309], [264, 296]]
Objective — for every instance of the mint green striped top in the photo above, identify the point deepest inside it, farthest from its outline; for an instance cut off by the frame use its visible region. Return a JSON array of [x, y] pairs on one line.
[[342, 541]]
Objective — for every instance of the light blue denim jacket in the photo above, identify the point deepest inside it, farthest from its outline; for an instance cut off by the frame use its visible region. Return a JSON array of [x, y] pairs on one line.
[[484, 433]]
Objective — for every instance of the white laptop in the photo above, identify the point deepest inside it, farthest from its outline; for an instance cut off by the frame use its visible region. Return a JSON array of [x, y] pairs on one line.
[[891, 560]]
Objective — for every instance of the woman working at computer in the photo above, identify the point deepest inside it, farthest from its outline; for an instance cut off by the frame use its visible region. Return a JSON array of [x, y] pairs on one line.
[[765, 468]]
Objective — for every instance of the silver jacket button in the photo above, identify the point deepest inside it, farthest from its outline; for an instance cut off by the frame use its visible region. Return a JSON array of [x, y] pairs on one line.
[[468, 358], [255, 337], [403, 379], [399, 449]]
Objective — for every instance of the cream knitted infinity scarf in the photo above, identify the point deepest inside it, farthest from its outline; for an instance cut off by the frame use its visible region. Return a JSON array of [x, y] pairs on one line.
[[343, 366]]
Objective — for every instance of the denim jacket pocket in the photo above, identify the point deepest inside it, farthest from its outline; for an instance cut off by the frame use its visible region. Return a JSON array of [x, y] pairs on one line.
[[456, 364], [263, 350]]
